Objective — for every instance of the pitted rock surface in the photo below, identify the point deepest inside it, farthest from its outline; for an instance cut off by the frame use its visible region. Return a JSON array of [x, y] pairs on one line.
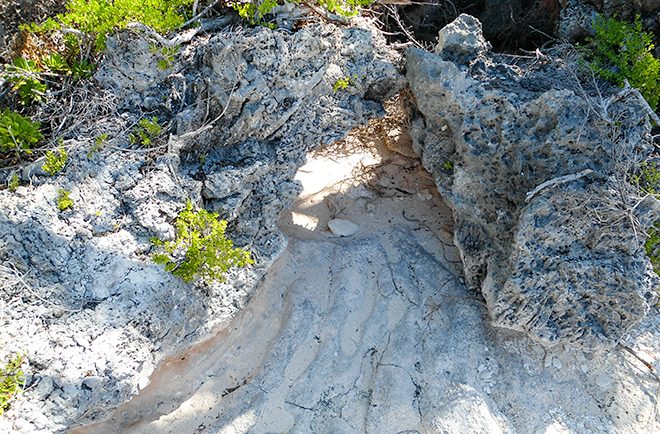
[[564, 264], [248, 105]]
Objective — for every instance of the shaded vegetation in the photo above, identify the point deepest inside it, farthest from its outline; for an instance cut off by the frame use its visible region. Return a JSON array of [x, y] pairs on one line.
[[621, 51]]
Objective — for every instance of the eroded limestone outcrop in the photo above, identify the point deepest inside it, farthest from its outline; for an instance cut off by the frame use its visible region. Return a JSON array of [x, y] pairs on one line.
[[562, 261], [95, 314]]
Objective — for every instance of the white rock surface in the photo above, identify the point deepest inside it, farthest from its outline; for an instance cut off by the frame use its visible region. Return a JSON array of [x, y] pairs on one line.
[[92, 311], [378, 334], [342, 227]]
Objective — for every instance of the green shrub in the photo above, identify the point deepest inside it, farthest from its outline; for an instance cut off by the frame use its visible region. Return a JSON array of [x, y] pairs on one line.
[[59, 64], [28, 79], [619, 51], [341, 84], [17, 133], [24, 76], [12, 381], [345, 8], [254, 12], [55, 161], [145, 131], [13, 182], [97, 18], [201, 250], [64, 200]]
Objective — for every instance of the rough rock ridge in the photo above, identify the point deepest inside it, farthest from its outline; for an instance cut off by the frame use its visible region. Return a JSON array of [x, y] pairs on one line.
[[534, 170], [90, 309]]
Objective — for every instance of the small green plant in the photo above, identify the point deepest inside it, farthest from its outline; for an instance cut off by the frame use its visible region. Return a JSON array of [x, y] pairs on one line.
[[648, 178], [99, 142], [165, 55], [13, 182], [341, 84], [12, 380], [25, 79], [56, 64], [619, 51], [255, 11], [64, 200], [201, 250], [345, 8], [55, 161], [17, 133], [28, 79], [145, 131], [447, 166], [652, 246]]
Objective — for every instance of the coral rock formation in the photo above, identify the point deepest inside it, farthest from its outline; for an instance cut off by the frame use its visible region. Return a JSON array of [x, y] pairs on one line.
[[561, 261]]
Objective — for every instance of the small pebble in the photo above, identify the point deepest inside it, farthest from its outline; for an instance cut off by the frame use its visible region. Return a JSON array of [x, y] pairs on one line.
[[342, 228], [424, 195], [603, 381], [556, 363]]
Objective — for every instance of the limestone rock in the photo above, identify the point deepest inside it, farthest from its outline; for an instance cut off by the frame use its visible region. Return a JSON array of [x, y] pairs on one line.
[[462, 39], [247, 106], [565, 264]]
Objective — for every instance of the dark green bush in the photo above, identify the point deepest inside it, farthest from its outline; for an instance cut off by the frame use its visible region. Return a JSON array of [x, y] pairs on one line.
[[620, 51]]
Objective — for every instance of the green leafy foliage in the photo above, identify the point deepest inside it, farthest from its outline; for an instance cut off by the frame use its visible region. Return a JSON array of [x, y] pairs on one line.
[[201, 250], [341, 84], [145, 131], [12, 380], [55, 161], [620, 51], [345, 8], [13, 182], [165, 55], [254, 12], [99, 142], [97, 18], [652, 246], [28, 78], [17, 133], [64, 200], [648, 178], [77, 69], [24, 76]]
